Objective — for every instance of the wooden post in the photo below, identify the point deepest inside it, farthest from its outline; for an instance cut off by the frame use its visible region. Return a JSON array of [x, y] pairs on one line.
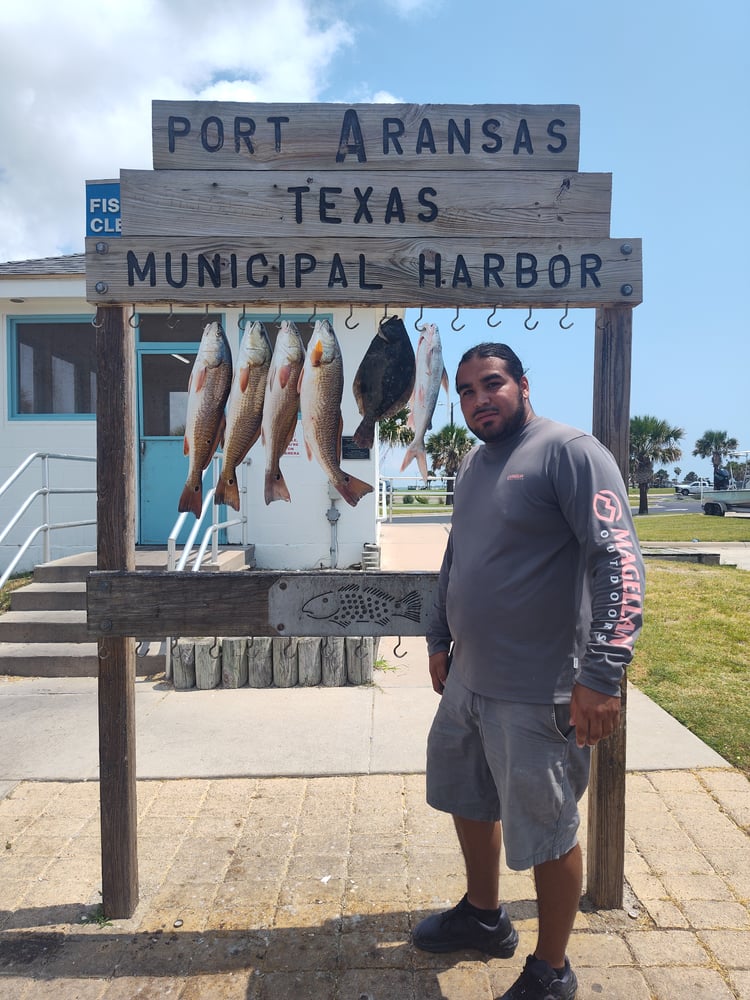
[[233, 662], [259, 662], [605, 864], [115, 516]]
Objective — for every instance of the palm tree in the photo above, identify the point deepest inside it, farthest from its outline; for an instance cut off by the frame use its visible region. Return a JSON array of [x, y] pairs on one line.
[[716, 446], [394, 432], [446, 448], [651, 440]]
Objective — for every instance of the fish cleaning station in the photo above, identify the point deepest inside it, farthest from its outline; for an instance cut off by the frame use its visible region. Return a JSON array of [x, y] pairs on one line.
[[313, 211]]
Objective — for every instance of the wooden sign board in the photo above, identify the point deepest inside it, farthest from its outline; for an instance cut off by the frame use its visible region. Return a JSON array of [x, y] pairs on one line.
[[406, 272], [316, 603], [364, 203], [199, 135]]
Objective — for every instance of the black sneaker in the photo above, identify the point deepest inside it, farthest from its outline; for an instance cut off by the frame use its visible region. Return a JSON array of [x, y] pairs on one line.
[[539, 981], [458, 928]]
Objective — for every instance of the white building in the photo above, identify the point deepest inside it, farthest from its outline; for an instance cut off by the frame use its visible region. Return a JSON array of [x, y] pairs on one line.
[[48, 362]]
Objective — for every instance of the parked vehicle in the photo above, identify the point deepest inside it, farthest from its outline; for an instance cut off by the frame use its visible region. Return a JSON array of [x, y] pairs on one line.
[[694, 489]]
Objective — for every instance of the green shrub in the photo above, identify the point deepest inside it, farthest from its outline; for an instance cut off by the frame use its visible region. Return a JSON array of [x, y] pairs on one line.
[[407, 498]]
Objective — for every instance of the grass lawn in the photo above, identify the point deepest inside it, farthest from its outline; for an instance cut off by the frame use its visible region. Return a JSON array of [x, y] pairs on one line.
[[692, 527], [693, 654]]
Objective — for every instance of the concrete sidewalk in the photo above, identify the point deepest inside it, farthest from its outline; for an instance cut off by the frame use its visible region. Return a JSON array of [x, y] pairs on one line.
[[285, 849]]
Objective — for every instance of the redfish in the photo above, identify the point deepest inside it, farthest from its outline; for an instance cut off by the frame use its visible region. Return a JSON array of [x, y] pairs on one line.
[[280, 407], [321, 387], [244, 409], [208, 388]]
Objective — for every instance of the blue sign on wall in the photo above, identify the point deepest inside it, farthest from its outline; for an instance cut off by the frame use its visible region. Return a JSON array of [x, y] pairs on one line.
[[103, 208]]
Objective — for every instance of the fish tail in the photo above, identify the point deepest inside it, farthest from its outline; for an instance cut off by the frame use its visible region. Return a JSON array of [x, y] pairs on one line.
[[412, 606], [228, 492], [191, 499], [364, 436], [275, 487], [352, 489], [416, 450]]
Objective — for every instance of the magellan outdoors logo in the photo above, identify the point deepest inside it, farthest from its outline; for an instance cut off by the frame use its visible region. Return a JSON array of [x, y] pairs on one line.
[[607, 506]]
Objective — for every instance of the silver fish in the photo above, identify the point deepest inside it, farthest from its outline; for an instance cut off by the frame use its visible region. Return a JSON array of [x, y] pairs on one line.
[[208, 388], [431, 374], [280, 407], [355, 603], [244, 409], [321, 387]]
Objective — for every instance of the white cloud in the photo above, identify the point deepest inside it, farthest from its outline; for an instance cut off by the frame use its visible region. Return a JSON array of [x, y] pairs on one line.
[[78, 80]]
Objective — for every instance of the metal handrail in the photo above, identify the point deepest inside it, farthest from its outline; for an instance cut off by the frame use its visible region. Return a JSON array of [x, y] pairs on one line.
[[385, 496], [45, 492]]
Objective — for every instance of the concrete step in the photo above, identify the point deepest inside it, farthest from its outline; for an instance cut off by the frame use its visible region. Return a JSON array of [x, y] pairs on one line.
[[49, 597], [75, 569], [62, 659], [43, 626]]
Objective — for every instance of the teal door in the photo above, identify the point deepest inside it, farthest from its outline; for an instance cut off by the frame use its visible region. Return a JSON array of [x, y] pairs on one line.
[[165, 359]]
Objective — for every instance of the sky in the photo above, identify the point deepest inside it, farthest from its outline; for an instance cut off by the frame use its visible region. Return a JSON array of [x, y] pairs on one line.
[[662, 86]]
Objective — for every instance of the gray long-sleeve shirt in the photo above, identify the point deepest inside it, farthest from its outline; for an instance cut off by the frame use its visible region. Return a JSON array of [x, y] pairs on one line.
[[542, 580]]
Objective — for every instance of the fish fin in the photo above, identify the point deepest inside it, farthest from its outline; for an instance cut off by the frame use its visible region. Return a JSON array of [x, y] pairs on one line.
[[422, 463], [364, 436], [275, 487], [412, 603], [285, 372], [444, 381], [315, 353], [308, 449], [227, 491], [200, 379], [185, 446], [191, 499], [244, 378], [353, 489]]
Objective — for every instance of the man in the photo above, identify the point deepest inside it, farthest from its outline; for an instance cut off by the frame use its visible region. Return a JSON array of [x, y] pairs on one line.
[[539, 598]]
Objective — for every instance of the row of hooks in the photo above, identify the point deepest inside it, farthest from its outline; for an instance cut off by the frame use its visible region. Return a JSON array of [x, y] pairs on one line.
[[214, 651], [173, 319]]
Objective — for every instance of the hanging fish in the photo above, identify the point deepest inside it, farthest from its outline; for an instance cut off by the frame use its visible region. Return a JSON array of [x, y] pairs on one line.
[[208, 388], [321, 387], [431, 374], [244, 409], [280, 407], [384, 379]]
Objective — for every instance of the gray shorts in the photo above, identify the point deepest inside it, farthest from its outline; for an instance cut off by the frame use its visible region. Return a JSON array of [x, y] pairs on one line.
[[497, 760]]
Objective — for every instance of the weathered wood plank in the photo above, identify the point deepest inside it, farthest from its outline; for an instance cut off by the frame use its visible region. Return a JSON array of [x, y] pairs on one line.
[[241, 136], [234, 663], [321, 602], [309, 664], [207, 664], [213, 203], [285, 669], [259, 662], [478, 272], [359, 659], [333, 662], [115, 511], [183, 665]]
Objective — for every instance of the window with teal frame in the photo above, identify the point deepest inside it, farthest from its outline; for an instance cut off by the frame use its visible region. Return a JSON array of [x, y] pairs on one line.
[[52, 368]]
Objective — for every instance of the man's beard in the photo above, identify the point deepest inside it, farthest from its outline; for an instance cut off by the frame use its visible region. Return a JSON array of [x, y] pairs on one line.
[[511, 426]]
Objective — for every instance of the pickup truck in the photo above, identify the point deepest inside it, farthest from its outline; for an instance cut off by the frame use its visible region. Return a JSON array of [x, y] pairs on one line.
[[694, 489]]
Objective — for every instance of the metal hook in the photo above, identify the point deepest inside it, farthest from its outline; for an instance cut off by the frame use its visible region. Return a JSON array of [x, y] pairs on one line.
[[528, 320], [277, 317], [399, 656], [565, 326], [140, 651], [217, 654], [173, 644], [172, 320], [347, 324], [207, 310], [132, 317], [102, 653], [310, 319], [359, 649], [489, 318], [96, 326], [385, 314], [242, 321], [417, 321], [455, 320]]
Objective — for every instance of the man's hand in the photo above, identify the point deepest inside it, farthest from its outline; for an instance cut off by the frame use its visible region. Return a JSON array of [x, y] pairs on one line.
[[439, 671], [594, 715]]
